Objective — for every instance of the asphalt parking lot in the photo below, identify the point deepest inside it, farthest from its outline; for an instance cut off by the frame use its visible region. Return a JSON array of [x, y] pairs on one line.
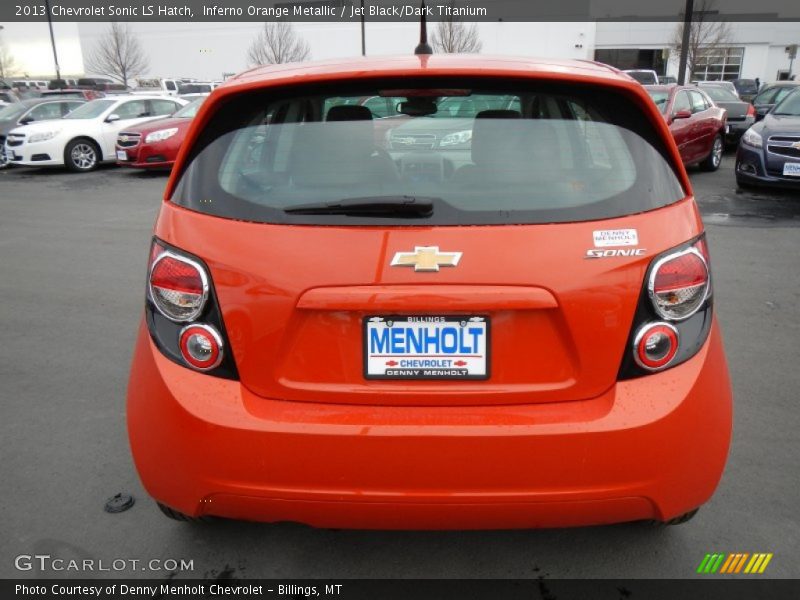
[[72, 272]]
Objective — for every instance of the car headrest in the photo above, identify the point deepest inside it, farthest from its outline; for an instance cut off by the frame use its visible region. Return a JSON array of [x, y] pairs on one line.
[[349, 113], [499, 114]]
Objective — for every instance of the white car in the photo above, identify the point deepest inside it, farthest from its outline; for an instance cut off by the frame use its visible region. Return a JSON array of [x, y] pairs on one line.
[[86, 136]]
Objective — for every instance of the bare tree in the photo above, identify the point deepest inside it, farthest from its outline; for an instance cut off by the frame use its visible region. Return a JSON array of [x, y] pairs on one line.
[[277, 43], [705, 36], [118, 55], [8, 66], [452, 35]]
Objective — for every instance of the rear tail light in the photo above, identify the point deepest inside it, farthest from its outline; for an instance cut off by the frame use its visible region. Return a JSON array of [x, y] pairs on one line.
[[751, 110], [201, 346], [182, 312], [178, 286], [679, 284], [655, 346], [674, 313]]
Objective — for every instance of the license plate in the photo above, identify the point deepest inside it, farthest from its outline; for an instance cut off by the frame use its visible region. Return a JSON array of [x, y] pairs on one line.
[[792, 169], [426, 347], [122, 155]]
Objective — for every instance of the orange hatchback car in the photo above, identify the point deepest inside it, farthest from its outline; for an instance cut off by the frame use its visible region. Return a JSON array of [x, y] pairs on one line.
[[490, 308]]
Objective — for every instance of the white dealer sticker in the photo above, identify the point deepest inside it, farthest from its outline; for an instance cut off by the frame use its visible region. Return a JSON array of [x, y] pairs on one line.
[[604, 238]]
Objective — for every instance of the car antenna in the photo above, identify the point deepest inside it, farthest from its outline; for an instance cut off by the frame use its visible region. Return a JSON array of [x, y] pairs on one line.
[[424, 47]]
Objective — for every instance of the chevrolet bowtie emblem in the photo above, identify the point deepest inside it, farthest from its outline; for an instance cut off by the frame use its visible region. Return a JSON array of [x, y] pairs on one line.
[[426, 258], [796, 146]]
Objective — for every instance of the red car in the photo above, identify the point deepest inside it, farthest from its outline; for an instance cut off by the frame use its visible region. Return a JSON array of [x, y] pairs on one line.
[[516, 329], [155, 144], [697, 124]]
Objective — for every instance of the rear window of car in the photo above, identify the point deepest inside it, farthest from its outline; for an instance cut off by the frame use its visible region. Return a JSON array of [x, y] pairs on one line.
[[747, 86], [719, 94], [644, 77], [483, 152], [660, 98]]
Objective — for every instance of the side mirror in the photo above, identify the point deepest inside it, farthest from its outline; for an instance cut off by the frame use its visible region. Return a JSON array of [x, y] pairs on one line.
[[26, 120], [112, 117], [682, 114]]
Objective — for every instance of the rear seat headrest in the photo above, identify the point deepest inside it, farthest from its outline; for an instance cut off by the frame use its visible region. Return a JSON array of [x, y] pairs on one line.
[[499, 114], [349, 113]]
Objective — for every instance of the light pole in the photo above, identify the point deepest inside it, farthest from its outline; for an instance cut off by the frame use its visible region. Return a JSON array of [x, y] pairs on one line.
[[52, 39], [687, 29]]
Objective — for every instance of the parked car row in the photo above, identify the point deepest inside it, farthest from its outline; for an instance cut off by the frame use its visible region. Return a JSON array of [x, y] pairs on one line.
[[87, 135], [767, 133], [95, 87], [769, 153]]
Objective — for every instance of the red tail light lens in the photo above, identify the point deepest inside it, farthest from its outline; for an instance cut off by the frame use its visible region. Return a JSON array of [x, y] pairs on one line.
[[201, 346], [178, 286], [679, 284], [655, 345], [751, 110]]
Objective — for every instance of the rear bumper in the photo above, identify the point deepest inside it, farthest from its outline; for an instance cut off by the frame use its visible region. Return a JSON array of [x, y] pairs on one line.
[[649, 448], [736, 130]]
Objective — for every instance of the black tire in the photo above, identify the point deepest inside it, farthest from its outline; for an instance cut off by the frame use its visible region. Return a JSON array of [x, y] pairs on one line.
[[179, 516], [82, 155], [4, 162], [714, 158]]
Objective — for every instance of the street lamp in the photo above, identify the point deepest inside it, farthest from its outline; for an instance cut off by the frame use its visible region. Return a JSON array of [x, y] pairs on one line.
[[52, 39], [687, 29]]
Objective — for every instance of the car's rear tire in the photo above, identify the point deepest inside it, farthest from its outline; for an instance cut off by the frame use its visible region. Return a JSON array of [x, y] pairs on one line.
[[714, 158], [176, 515], [82, 155]]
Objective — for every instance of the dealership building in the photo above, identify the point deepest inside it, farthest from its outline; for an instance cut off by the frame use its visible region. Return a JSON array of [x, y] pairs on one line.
[[209, 50]]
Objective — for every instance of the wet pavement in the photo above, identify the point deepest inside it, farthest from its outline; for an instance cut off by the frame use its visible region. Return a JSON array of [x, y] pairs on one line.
[[723, 203], [72, 267]]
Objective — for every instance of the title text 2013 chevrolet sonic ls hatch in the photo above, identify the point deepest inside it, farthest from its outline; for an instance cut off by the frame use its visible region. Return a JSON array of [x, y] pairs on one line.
[[503, 322]]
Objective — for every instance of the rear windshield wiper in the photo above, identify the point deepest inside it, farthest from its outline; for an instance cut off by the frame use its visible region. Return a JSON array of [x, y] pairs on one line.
[[410, 207]]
